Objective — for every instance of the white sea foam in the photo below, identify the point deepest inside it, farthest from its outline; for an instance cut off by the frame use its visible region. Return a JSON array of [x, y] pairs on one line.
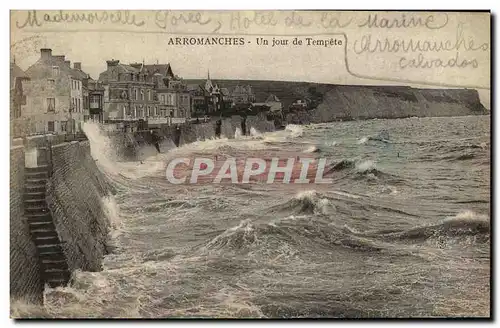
[[365, 166]]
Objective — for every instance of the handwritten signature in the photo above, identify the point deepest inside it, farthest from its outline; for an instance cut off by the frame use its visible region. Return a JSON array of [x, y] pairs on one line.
[[429, 21], [372, 45], [165, 18], [122, 17]]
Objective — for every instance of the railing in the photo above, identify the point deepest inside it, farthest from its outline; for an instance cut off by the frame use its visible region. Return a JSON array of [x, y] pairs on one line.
[[48, 156]]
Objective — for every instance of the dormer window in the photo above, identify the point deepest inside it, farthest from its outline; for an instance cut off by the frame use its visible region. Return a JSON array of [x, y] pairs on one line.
[[55, 71]]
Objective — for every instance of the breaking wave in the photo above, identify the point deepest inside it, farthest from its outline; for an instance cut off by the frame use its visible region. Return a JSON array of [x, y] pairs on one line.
[[363, 140], [294, 130], [312, 149], [460, 227], [306, 202]]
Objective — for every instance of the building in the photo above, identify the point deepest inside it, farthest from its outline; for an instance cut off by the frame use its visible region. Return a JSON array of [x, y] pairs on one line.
[[213, 95], [17, 100], [95, 100], [242, 94], [129, 92], [274, 103], [299, 104], [54, 95], [227, 99], [209, 98], [199, 100], [172, 93], [17, 97]]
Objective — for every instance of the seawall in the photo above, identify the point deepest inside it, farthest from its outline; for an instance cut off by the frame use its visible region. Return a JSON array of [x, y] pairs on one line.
[[74, 196], [128, 143], [74, 192], [25, 279]]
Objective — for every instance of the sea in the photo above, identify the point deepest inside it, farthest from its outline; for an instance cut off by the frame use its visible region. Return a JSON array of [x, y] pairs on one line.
[[402, 230]]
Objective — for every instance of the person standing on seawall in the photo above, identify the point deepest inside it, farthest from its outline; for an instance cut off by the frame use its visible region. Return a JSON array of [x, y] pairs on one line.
[[155, 138], [218, 128]]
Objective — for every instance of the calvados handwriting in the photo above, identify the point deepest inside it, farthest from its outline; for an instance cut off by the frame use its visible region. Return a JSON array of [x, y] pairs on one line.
[[422, 62], [429, 21], [115, 17]]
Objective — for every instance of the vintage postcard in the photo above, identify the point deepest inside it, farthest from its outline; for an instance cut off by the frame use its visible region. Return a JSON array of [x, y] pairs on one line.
[[250, 164]]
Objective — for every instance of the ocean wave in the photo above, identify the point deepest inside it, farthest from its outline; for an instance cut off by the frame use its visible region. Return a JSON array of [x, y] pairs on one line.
[[307, 202], [363, 140], [312, 149], [330, 143], [295, 130], [103, 151], [287, 236], [460, 227]]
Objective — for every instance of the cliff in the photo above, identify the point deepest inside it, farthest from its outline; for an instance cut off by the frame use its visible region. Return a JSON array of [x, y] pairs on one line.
[[364, 101]]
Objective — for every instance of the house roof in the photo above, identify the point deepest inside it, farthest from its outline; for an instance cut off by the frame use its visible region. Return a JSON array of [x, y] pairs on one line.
[[242, 89], [163, 69], [120, 69], [194, 87], [34, 72], [272, 98], [15, 72]]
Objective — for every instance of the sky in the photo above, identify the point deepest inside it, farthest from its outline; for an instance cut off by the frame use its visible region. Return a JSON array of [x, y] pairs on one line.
[[361, 47]]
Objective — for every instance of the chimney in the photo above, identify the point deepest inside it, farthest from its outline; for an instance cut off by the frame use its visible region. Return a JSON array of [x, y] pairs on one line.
[[112, 62], [45, 53], [77, 65], [68, 62]]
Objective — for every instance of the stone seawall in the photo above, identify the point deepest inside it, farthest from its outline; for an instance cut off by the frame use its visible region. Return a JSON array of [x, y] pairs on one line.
[[25, 282], [74, 196], [127, 144]]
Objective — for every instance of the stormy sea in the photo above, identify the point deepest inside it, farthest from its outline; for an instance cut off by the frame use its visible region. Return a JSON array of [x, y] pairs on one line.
[[403, 230]]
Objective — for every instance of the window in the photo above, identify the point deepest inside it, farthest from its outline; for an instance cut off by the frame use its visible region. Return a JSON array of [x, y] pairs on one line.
[[142, 94], [50, 126], [149, 95], [136, 95], [79, 85], [155, 113], [51, 104], [55, 71], [51, 82], [64, 126], [78, 107], [148, 112], [95, 101], [134, 114], [162, 99]]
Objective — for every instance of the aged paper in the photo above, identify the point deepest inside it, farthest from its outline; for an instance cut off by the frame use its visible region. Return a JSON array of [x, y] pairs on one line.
[[250, 164]]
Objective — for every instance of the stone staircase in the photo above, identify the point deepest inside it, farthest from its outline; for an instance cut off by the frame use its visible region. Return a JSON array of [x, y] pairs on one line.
[[53, 263]]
